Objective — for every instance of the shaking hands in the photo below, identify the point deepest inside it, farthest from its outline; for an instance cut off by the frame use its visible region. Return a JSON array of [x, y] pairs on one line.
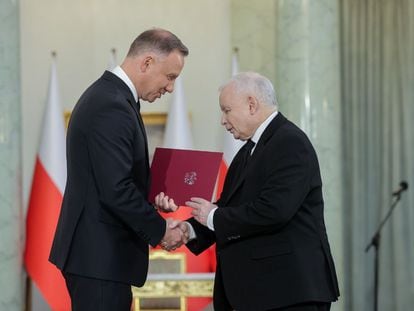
[[176, 234]]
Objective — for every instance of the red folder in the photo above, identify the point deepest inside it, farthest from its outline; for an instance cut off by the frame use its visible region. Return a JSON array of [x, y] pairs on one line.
[[182, 174]]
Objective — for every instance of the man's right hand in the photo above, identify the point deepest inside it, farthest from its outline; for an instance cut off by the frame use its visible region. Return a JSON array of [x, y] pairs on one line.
[[176, 234]]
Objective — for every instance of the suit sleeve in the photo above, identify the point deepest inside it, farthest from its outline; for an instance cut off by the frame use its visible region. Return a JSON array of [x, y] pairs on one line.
[[205, 237], [111, 148], [286, 183]]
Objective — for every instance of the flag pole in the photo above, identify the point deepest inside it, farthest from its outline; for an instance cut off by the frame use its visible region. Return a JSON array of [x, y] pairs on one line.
[[112, 60], [28, 296]]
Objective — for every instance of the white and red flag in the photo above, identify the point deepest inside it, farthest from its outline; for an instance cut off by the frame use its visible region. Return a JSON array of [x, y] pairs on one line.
[[49, 179], [178, 129], [230, 144]]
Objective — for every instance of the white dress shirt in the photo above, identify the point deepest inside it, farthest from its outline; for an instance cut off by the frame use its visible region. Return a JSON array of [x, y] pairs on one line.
[[120, 73]]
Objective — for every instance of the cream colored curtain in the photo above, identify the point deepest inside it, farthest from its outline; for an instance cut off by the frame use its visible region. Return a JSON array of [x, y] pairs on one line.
[[377, 58]]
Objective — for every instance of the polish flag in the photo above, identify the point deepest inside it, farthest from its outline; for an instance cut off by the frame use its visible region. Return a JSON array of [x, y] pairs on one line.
[[48, 185], [230, 144], [178, 136], [178, 129]]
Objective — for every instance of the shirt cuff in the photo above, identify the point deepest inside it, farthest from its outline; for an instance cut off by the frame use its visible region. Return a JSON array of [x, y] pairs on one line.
[[210, 216], [192, 232]]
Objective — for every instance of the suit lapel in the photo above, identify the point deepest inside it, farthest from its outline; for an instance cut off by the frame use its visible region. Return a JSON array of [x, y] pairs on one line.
[[230, 178], [270, 130], [135, 106]]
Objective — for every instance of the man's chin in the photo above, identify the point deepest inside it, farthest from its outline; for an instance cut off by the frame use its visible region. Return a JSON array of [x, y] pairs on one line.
[[154, 98], [235, 136], [238, 137], [151, 100]]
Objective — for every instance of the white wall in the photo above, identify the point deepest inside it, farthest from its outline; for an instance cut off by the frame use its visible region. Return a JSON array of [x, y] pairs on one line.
[[82, 32]]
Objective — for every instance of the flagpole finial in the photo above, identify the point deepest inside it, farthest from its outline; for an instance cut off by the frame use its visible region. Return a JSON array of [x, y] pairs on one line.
[[54, 54], [236, 49]]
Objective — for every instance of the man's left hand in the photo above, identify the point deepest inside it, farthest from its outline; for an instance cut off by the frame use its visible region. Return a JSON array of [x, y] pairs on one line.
[[201, 209]]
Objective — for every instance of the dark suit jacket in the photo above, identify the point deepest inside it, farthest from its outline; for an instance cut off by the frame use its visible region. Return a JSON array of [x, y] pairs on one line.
[[106, 223], [272, 247]]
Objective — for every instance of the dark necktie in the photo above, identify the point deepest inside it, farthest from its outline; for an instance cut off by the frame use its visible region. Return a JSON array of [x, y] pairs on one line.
[[237, 172], [244, 159], [247, 153]]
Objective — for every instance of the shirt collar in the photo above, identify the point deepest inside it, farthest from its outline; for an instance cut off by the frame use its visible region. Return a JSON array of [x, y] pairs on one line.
[[255, 138], [120, 73]]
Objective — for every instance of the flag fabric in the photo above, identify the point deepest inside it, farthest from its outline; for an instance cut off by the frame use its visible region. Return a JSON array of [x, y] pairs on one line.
[[49, 179], [178, 130], [178, 136], [230, 144]]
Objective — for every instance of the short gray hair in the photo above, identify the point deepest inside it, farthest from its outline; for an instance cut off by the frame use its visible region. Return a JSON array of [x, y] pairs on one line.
[[159, 41], [255, 84]]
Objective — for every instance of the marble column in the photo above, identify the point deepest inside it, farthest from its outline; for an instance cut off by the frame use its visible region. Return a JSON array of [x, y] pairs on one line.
[[307, 79], [11, 223], [253, 33]]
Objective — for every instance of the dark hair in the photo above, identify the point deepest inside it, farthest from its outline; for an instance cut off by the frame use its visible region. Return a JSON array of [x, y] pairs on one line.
[[157, 40]]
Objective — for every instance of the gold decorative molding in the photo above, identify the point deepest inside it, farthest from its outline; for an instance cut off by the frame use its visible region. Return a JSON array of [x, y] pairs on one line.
[[154, 118], [66, 115], [161, 255], [175, 288], [168, 286]]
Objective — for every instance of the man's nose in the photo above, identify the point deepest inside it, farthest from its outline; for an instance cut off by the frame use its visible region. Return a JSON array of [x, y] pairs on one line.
[[223, 120], [170, 87]]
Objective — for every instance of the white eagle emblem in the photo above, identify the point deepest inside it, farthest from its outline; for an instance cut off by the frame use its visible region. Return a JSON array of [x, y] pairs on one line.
[[190, 178]]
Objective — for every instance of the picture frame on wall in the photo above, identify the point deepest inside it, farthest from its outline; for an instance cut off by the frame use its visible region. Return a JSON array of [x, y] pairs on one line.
[[155, 127]]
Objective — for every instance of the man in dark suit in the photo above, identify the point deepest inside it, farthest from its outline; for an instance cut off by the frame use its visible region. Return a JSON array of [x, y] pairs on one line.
[[106, 224], [268, 225]]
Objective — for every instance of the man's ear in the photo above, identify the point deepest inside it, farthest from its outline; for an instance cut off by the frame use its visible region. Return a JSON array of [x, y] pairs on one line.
[[253, 104], [146, 62]]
